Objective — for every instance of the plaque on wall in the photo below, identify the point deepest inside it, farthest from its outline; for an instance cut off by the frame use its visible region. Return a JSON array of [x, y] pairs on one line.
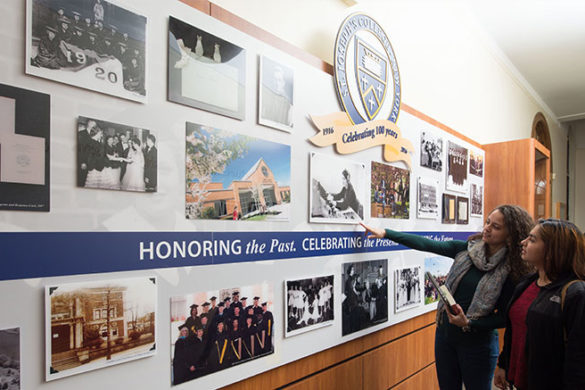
[[92, 44], [116, 157], [91, 325], [205, 71], [24, 149], [449, 208], [462, 210], [276, 94]]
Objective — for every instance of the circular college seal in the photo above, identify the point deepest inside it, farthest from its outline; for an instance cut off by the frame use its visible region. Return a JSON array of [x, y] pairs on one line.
[[366, 72]]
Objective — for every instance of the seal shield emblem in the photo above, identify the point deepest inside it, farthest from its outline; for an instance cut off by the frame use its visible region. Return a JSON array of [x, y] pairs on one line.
[[371, 73]]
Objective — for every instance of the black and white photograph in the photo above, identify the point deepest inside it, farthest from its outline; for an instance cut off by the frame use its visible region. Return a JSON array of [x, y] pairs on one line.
[[214, 330], [338, 189], [276, 94], [24, 149], [309, 304], [96, 324], [457, 160], [475, 163], [364, 302], [438, 267], [390, 191], [462, 210], [112, 156], [427, 198], [10, 359], [407, 288], [476, 200], [205, 71], [431, 151], [92, 44], [449, 209]]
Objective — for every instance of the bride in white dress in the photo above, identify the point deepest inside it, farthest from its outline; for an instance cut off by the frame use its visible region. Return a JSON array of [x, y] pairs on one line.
[[133, 180]]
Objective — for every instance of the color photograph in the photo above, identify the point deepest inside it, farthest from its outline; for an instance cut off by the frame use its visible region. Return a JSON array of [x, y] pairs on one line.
[[475, 163], [431, 151], [449, 209], [364, 302], [407, 288], [215, 330], [25, 125], [276, 95], [92, 325], [205, 71], [112, 156], [462, 210], [390, 192], [476, 200], [237, 177], [10, 359], [427, 198], [338, 189], [92, 44], [309, 304], [439, 267], [456, 168]]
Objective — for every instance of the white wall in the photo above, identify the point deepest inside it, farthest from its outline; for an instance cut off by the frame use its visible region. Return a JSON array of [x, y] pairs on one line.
[[577, 170], [450, 70]]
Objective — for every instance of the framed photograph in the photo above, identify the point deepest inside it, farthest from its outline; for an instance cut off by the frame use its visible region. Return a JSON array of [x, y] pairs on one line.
[[456, 168], [475, 163], [338, 189], [116, 157], [365, 295], [431, 151], [24, 149], [276, 94], [10, 359], [390, 192], [234, 176], [407, 288], [476, 200], [449, 209], [215, 330], [91, 325], [439, 267], [309, 304], [205, 71], [427, 198], [462, 210], [92, 44]]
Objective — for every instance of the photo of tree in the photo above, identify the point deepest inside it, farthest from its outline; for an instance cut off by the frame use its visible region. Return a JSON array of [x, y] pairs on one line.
[[237, 177]]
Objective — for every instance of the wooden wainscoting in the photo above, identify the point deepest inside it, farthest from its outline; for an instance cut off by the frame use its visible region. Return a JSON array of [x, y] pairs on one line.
[[401, 355]]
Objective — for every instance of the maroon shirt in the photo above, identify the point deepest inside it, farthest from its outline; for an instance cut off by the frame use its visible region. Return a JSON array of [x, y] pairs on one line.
[[517, 370]]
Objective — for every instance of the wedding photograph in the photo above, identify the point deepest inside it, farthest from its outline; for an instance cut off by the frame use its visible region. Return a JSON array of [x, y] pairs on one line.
[[92, 44], [390, 192], [337, 189], [96, 324], [309, 304], [364, 300], [112, 156], [214, 330], [407, 288]]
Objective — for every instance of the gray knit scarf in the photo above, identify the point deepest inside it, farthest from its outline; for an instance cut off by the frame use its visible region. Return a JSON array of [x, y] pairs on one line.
[[490, 285]]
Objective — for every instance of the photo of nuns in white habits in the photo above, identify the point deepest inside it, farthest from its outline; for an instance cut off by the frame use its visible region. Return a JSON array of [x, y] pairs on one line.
[[407, 288], [309, 304], [365, 295]]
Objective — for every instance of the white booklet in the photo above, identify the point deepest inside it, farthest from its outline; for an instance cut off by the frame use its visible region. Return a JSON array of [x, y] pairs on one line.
[[22, 159]]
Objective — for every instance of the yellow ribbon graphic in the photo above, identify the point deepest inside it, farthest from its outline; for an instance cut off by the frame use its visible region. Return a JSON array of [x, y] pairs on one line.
[[336, 129]]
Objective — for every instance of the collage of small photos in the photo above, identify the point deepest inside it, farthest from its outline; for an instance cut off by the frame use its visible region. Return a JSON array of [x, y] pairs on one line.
[[101, 46]]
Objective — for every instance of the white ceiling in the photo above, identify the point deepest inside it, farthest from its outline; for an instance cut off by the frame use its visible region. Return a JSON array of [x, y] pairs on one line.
[[545, 41]]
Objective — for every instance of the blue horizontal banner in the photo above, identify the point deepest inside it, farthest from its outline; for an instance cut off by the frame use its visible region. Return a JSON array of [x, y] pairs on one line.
[[34, 255]]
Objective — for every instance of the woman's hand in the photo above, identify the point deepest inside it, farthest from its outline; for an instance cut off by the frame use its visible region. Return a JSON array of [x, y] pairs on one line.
[[460, 319], [500, 379], [372, 232]]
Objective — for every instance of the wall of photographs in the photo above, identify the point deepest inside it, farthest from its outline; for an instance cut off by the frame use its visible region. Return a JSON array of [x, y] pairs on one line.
[[157, 118]]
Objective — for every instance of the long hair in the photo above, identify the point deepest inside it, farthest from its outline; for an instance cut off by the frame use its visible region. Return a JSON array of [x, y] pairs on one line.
[[565, 248], [519, 224]]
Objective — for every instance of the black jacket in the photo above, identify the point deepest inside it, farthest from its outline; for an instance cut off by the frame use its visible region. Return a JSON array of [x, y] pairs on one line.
[[549, 363]]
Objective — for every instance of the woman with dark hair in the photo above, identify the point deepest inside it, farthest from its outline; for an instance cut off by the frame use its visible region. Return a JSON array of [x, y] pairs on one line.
[[482, 278], [544, 344]]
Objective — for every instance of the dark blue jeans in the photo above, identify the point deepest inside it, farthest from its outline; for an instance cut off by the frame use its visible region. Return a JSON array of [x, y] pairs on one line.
[[470, 363]]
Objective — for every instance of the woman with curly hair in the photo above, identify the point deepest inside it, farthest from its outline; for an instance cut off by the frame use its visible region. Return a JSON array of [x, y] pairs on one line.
[[544, 344], [485, 270]]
